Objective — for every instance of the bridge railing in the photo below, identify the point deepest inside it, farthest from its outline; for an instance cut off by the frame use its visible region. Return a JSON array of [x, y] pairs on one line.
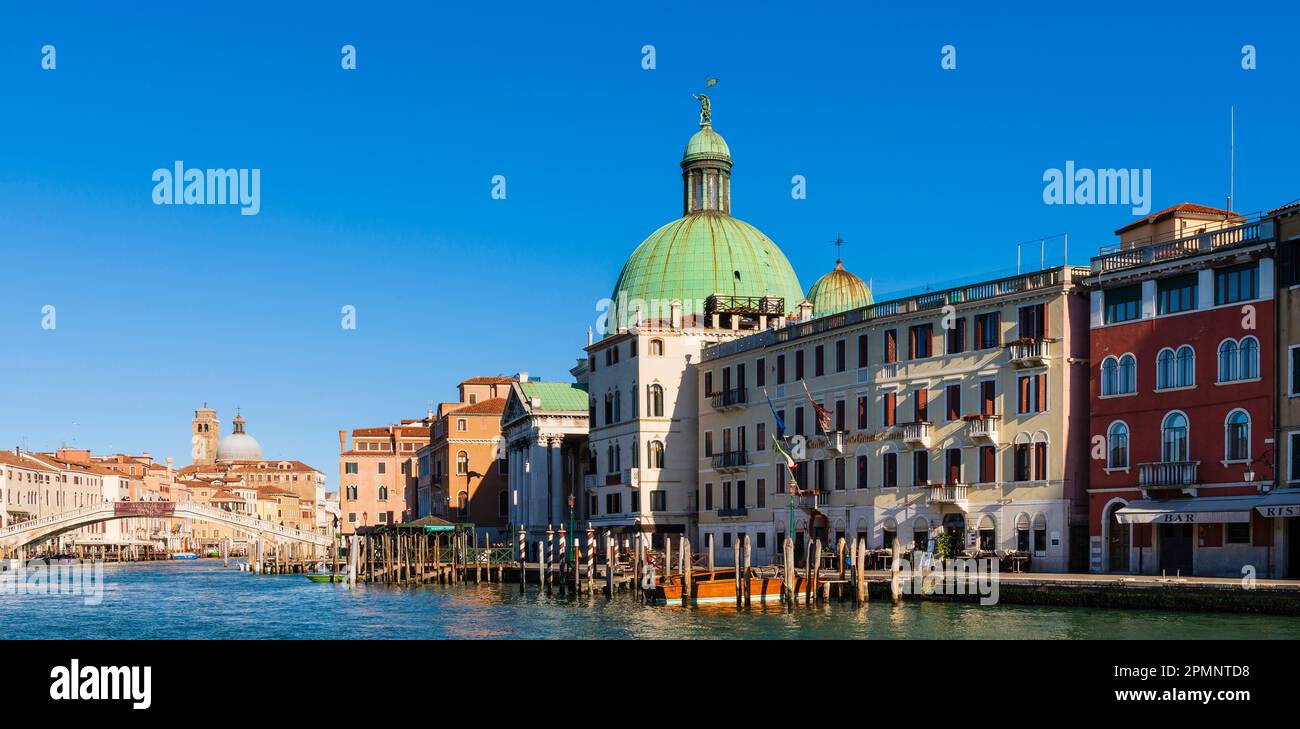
[[183, 510]]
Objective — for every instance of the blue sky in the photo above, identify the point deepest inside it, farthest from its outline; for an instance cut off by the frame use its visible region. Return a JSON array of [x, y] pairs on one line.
[[375, 182]]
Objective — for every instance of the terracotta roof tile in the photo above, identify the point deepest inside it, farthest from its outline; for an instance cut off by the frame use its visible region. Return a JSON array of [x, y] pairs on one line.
[[1169, 212]]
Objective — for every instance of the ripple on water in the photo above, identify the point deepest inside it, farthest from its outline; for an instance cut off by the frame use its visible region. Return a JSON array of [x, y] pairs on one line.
[[203, 599]]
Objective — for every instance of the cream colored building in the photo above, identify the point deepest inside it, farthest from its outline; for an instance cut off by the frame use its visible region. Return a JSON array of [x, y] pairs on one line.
[[964, 409]]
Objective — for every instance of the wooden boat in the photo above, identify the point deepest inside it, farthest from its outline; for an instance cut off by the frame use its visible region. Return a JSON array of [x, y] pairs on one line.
[[718, 586], [324, 577], [182, 555]]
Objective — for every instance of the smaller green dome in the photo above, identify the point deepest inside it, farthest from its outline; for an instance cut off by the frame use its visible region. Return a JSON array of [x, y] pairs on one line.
[[706, 144], [839, 291]]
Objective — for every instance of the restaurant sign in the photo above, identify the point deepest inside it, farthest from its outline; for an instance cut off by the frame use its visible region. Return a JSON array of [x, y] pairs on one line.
[[153, 509], [1274, 512]]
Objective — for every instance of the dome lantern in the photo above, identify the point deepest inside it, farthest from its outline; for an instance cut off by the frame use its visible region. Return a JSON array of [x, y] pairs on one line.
[[706, 167]]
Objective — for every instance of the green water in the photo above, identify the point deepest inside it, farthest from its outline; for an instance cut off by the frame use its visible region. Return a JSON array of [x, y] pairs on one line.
[[202, 599]]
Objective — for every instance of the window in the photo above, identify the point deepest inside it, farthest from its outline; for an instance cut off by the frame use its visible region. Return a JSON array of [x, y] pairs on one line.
[[655, 401], [863, 350], [1293, 450], [918, 341], [1236, 283], [761, 540], [840, 362], [654, 454], [780, 369], [1294, 352], [658, 500], [957, 336], [1248, 358], [1165, 369], [760, 498], [1040, 461], [888, 530], [1175, 369], [1173, 438], [839, 416], [891, 346], [462, 463], [921, 406], [1040, 534], [760, 372], [988, 330], [1033, 393], [952, 399], [862, 471], [656, 347], [1236, 436], [819, 360], [1117, 446], [890, 401], [1177, 294], [350, 467], [920, 534], [708, 497], [889, 470], [383, 493], [953, 470], [1021, 470], [839, 474], [1033, 322], [1119, 375], [988, 397], [1122, 304], [613, 503], [1022, 533], [862, 412], [462, 425], [352, 493], [383, 468], [708, 442], [1238, 533], [760, 437], [798, 420], [798, 365]]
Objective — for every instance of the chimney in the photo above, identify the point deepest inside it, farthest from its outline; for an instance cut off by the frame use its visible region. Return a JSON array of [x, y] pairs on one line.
[[589, 339], [676, 314], [343, 441], [169, 466], [522, 377]]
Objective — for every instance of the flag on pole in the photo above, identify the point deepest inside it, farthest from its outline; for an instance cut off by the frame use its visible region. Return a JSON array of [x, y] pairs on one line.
[[823, 415], [779, 447], [780, 423]]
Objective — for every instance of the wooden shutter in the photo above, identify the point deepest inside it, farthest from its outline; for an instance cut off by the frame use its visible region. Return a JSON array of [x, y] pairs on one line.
[[922, 404], [1023, 383], [891, 345]]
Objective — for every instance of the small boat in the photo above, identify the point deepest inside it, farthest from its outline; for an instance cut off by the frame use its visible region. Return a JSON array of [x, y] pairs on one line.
[[324, 577], [182, 555], [718, 586]]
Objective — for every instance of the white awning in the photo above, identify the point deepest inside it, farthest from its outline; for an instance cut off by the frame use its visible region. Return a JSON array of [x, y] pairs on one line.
[[1197, 510], [1281, 503]]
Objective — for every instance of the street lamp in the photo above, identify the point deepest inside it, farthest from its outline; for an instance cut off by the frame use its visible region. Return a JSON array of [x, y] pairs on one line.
[[1266, 458]]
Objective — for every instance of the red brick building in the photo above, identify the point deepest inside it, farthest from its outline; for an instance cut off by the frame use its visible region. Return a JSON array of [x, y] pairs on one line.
[[1182, 390]]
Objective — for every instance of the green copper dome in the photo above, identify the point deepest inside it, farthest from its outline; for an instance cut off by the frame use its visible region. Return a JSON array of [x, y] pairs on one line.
[[706, 144], [838, 291], [702, 254]]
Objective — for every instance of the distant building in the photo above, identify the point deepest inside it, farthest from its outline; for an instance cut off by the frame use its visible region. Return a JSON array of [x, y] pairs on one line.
[[378, 474], [467, 481]]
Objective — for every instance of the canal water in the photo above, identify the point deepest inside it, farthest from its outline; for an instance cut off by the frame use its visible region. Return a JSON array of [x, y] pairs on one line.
[[203, 599]]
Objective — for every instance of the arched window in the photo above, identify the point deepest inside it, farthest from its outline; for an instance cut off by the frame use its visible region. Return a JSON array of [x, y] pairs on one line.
[[1022, 533], [1110, 376], [921, 533], [462, 463], [1040, 534], [988, 534], [1236, 435], [655, 401], [618, 406], [655, 454], [888, 532], [1248, 353], [352, 493], [1186, 372], [1173, 438], [383, 493], [609, 458], [618, 457], [1127, 374], [656, 347], [1228, 361], [1117, 446], [1165, 369]]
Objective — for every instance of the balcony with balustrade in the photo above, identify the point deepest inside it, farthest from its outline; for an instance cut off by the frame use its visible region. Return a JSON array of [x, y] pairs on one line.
[[947, 494], [630, 477], [917, 434], [1111, 260], [1028, 352], [729, 461], [1168, 474], [736, 397], [983, 428]]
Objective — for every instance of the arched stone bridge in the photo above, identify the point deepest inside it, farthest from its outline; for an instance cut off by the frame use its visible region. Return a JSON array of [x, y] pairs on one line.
[[35, 530]]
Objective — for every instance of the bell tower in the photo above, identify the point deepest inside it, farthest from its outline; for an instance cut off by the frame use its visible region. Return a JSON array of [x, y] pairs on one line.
[[204, 432]]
